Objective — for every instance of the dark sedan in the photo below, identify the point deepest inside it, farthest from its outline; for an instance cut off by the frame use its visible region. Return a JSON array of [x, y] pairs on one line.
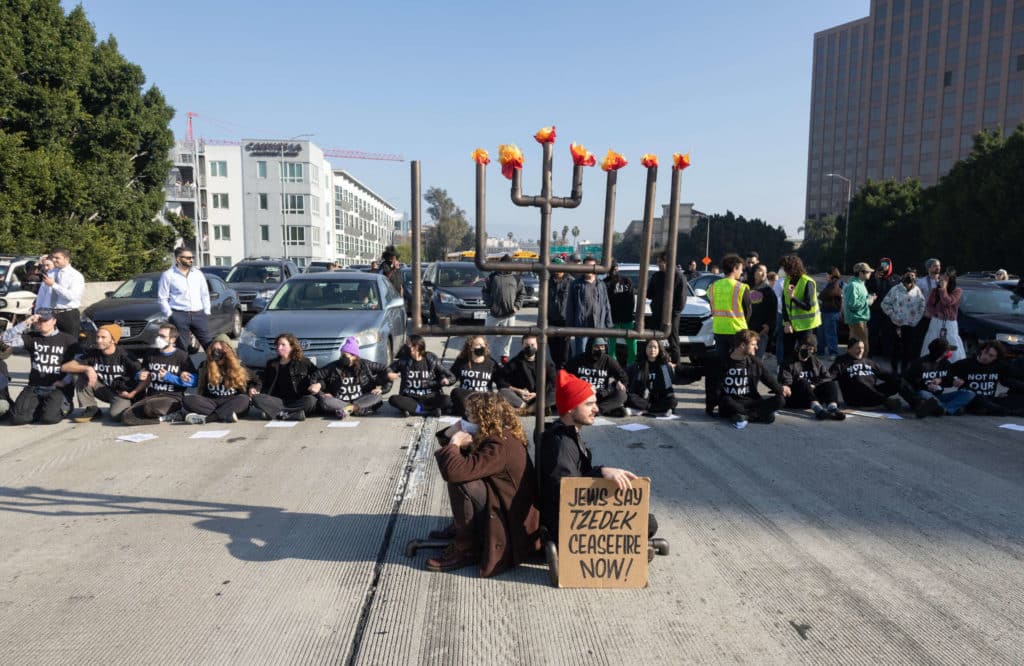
[[989, 311], [452, 289], [133, 306]]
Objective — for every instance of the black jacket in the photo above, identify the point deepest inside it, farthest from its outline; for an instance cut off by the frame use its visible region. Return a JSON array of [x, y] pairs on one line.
[[522, 374], [812, 370], [5, 382], [421, 378], [621, 298], [656, 289], [984, 379], [741, 378], [763, 308], [289, 384], [649, 380], [503, 294], [558, 295], [349, 383], [562, 453]]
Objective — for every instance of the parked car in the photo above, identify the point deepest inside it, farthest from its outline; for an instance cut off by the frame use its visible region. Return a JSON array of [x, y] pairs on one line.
[[358, 267], [532, 284], [991, 311], [259, 278], [407, 289], [219, 271], [701, 283], [133, 307], [16, 301], [452, 289], [322, 310]]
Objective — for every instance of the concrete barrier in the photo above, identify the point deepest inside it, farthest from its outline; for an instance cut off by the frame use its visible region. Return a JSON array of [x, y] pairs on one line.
[[97, 291]]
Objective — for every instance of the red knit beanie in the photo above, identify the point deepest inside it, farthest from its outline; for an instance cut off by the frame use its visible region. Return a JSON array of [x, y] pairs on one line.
[[570, 392]]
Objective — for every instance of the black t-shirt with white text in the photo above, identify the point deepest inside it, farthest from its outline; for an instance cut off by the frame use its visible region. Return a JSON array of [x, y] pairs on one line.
[[175, 363], [849, 370], [740, 378], [982, 379], [48, 353], [116, 370], [601, 373], [475, 376]]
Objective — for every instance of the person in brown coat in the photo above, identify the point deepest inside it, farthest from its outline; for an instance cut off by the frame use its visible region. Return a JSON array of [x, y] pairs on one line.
[[492, 487]]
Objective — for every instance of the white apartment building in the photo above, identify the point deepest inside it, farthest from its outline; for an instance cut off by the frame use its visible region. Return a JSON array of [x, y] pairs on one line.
[[364, 222]]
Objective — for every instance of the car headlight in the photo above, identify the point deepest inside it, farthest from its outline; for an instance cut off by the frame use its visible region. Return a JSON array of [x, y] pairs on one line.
[[445, 297], [250, 339], [1012, 338], [368, 337], [265, 294], [88, 325]]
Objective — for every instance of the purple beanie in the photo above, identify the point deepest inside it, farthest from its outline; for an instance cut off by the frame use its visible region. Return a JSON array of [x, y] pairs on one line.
[[351, 347]]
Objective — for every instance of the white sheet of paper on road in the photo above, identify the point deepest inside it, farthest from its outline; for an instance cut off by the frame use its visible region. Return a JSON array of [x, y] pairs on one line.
[[138, 437], [1013, 426], [343, 424], [282, 424], [210, 434], [633, 427], [876, 415]]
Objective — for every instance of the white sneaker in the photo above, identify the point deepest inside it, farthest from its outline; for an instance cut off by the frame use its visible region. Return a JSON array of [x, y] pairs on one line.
[[173, 417], [195, 419], [633, 412], [739, 425], [234, 417]]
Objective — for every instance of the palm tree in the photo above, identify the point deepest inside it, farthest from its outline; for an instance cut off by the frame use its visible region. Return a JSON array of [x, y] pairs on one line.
[[554, 236], [565, 233], [575, 234], [510, 235]]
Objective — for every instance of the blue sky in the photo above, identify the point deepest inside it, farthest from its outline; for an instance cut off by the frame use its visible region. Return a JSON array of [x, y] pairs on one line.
[[727, 81]]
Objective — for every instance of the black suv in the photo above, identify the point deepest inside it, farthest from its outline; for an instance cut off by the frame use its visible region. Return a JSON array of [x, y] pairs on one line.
[[258, 278]]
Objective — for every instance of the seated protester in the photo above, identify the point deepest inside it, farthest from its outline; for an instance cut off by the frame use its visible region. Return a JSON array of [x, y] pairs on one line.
[[283, 390], [862, 382], [809, 383], [475, 371], [650, 389], [47, 397], [596, 367], [492, 487], [925, 378], [738, 398], [517, 379], [106, 372], [350, 385], [223, 386], [982, 374], [563, 452], [5, 382], [167, 370], [422, 377]]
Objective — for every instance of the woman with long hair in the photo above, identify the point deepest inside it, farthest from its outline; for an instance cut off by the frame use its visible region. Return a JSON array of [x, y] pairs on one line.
[[223, 386], [650, 382], [282, 390], [800, 310], [422, 377], [350, 385], [943, 307], [475, 371], [492, 486]]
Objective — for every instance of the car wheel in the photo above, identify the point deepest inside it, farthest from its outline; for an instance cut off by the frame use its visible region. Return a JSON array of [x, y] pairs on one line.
[[236, 324]]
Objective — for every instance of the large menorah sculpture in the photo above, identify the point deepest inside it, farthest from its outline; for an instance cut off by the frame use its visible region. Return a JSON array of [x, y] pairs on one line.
[[546, 201]]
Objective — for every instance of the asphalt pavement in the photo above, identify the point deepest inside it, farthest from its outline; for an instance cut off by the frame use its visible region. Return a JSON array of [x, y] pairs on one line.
[[870, 540]]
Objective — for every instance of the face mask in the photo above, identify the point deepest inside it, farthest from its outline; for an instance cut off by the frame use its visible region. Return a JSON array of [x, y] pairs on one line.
[[217, 354], [469, 428], [948, 354], [529, 351], [804, 354], [479, 351], [596, 353], [160, 342], [344, 361]]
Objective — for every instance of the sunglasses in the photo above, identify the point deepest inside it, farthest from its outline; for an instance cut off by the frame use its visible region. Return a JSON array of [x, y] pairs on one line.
[[188, 258]]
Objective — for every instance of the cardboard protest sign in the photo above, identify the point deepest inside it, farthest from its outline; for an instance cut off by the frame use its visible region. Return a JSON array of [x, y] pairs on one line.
[[602, 533]]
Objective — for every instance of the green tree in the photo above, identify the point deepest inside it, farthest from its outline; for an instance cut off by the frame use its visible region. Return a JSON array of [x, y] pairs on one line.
[[575, 234], [83, 149], [734, 234], [450, 231], [883, 222]]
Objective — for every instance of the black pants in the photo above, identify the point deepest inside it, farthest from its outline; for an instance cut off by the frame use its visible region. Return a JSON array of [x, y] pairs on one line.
[[803, 394], [149, 410], [749, 408], [653, 403], [905, 346], [271, 405], [790, 341], [39, 406], [217, 409], [672, 341], [529, 406], [427, 403], [861, 395], [69, 321], [469, 512], [559, 352], [611, 401], [189, 323], [364, 404]]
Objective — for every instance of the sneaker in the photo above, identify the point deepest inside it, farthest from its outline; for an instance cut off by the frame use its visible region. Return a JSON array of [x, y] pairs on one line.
[[821, 414], [173, 417], [451, 558], [633, 412], [297, 415], [195, 419], [768, 418], [88, 414], [739, 425], [958, 412], [341, 414], [234, 417], [892, 403], [837, 415], [926, 407]]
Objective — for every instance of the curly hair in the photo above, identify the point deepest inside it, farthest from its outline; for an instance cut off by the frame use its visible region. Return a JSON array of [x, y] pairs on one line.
[[467, 348], [794, 267], [296, 352], [495, 416], [228, 371]]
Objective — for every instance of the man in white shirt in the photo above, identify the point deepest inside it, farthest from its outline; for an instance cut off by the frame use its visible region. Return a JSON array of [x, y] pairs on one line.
[[64, 289], [184, 299]]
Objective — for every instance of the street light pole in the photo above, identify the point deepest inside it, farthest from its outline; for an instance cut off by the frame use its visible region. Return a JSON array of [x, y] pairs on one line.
[[846, 226], [284, 218]]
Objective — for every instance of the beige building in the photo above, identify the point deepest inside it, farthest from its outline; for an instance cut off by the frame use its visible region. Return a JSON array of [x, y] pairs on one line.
[[901, 93], [688, 217]]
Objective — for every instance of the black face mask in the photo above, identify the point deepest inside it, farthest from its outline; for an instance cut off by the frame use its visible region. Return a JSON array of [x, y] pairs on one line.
[[344, 361], [217, 354], [596, 353], [804, 354], [479, 351], [529, 352]]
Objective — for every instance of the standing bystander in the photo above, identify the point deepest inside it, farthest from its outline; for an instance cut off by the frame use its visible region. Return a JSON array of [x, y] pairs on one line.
[[184, 299]]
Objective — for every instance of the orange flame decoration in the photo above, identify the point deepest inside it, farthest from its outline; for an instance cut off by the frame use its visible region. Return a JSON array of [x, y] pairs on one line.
[[545, 135], [680, 161], [511, 158], [613, 161], [480, 156], [649, 160], [581, 156]]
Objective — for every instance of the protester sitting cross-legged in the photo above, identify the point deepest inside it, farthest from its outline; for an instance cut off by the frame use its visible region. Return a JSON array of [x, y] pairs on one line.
[[982, 374], [350, 385], [475, 371], [810, 385], [925, 379], [167, 370], [106, 372], [518, 379], [282, 391], [46, 398], [492, 487], [223, 386], [862, 382], [563, 452], [423, 378], [597, 367], [649, 387], [739, 400]]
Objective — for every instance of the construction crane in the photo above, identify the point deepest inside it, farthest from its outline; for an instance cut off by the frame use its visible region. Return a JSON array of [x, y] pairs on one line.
[[328, 152]]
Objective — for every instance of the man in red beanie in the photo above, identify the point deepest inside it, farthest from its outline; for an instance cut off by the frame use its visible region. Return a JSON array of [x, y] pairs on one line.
[[563, 451]]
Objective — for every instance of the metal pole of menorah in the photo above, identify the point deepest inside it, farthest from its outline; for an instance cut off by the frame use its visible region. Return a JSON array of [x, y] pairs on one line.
[[547, 202]]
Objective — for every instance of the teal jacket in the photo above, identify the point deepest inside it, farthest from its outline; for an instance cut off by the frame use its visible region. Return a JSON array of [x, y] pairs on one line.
[[856, 308]]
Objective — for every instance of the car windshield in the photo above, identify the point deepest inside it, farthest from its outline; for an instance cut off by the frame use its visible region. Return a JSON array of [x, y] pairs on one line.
[[137, 288], [255, 273], [459, 276], [991, 301], [327, 295]]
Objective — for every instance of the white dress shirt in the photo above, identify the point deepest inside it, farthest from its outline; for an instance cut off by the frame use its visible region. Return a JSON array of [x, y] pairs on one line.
[[927, 283], [177, 291], [67, 289]]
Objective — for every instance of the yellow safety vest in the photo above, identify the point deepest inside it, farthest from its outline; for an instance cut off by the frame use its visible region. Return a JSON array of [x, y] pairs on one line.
[[802, 320], [727, 306]]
